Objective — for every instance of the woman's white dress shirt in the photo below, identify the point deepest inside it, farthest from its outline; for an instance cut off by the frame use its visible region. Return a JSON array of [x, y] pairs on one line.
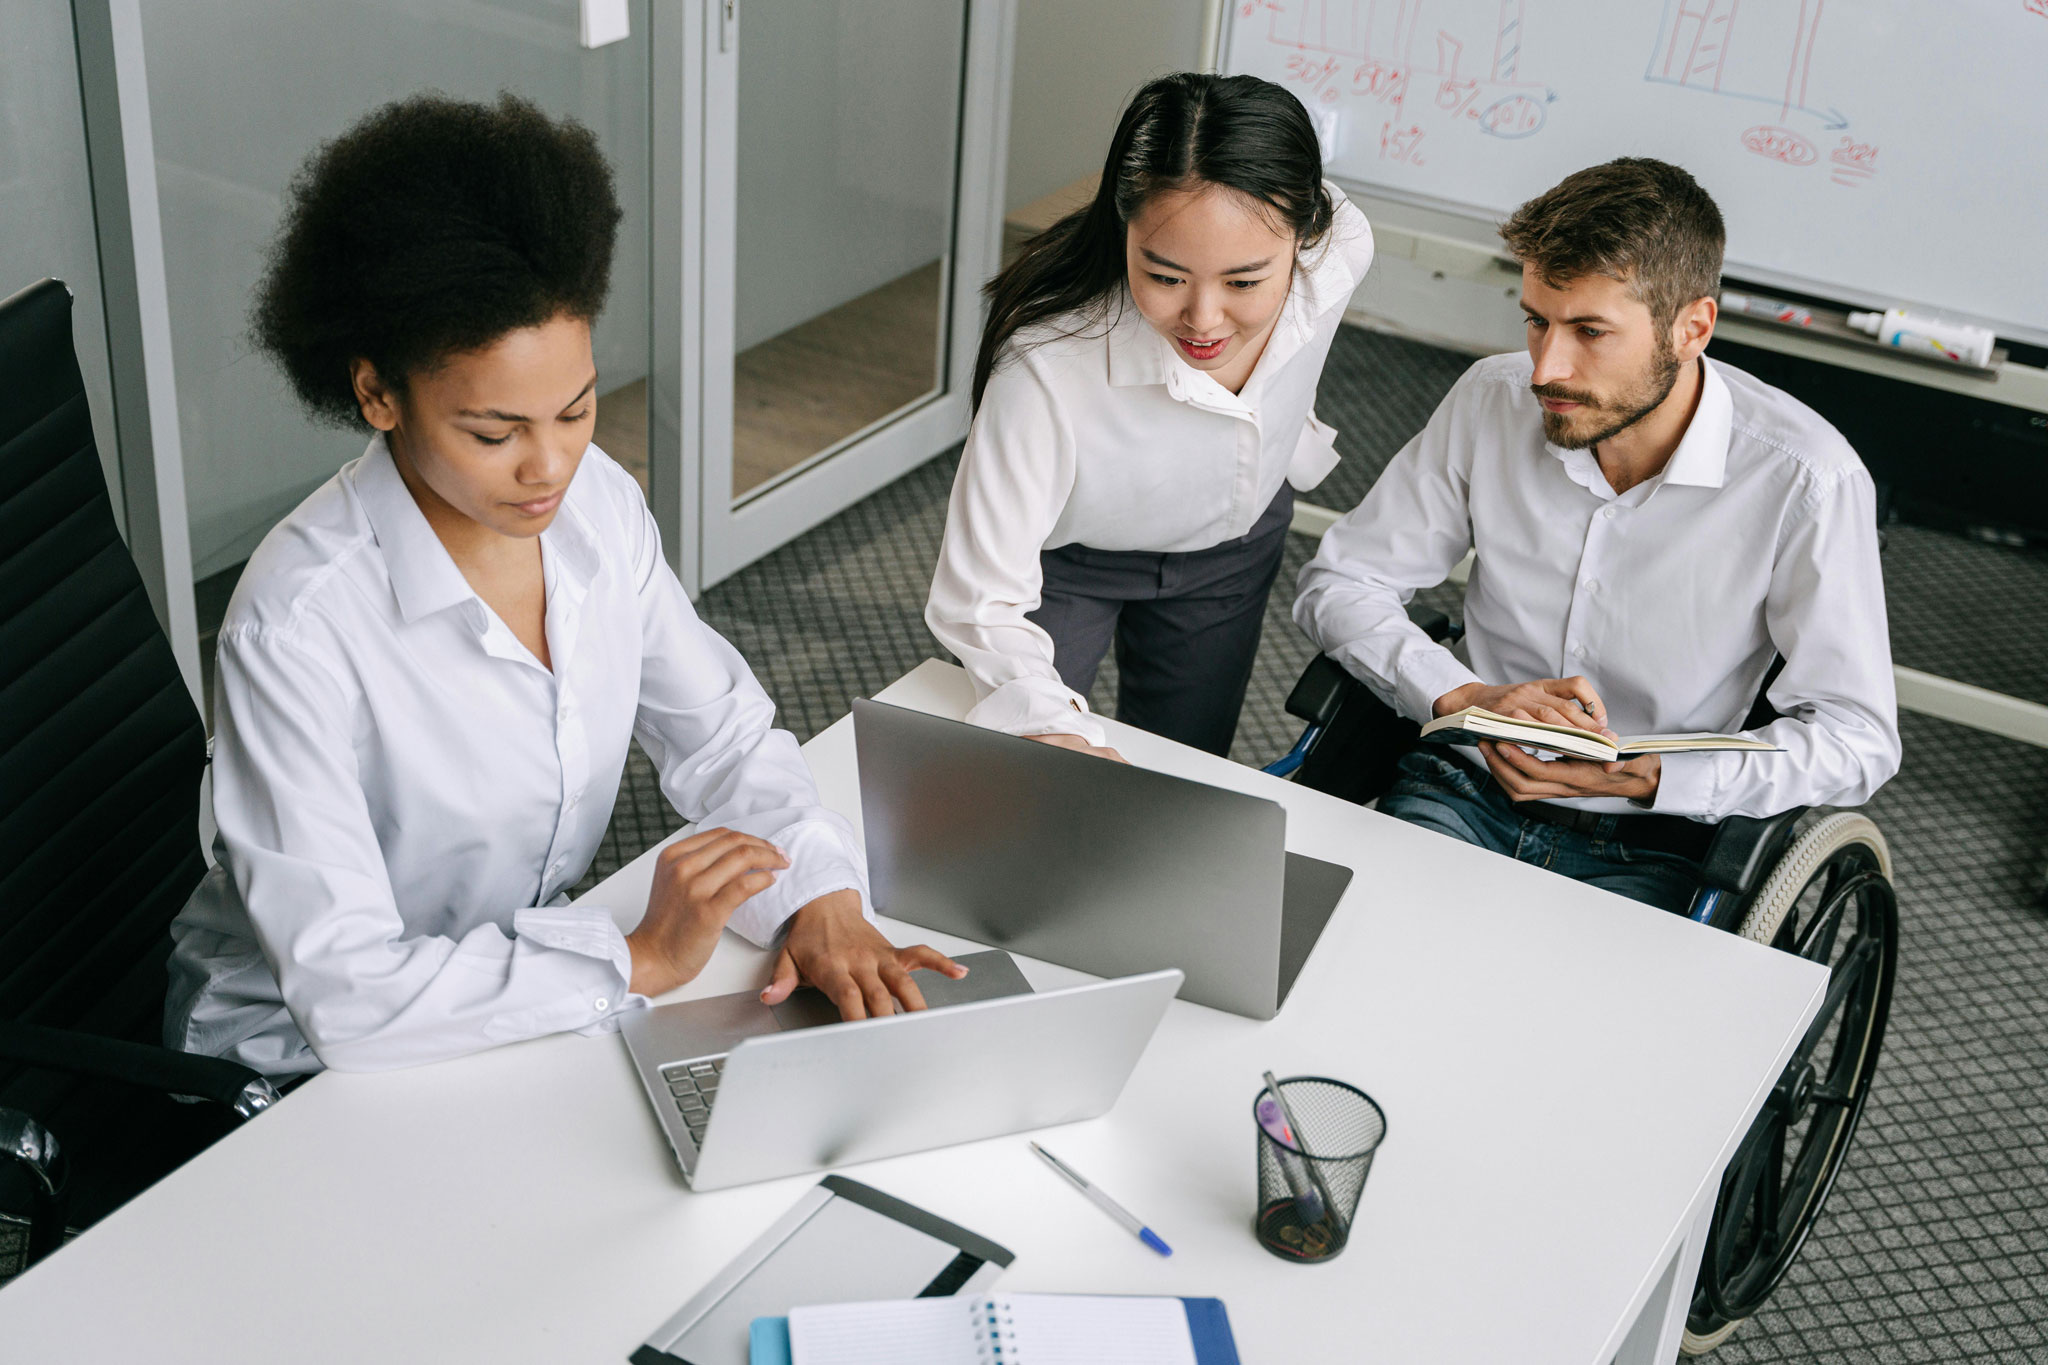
[[1102, 435], [1759, 538], [404, 792]]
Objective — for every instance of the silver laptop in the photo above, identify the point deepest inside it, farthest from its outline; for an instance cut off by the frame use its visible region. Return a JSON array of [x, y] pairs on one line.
[[1102, 866], [747, 1092]]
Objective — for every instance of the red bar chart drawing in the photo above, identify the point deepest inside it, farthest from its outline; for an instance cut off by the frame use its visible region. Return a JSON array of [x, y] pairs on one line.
[[1431, 67], [1756, 50], [1760, 51]]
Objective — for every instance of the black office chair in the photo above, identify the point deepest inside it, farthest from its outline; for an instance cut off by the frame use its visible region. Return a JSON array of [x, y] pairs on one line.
[[101, 754], [1823, 891]]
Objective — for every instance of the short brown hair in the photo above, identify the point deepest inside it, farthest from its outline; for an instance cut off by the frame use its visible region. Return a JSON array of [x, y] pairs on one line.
[[1646, 223]]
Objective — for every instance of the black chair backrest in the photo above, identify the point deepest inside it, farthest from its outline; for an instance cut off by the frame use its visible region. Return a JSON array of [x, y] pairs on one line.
[[101, 746]]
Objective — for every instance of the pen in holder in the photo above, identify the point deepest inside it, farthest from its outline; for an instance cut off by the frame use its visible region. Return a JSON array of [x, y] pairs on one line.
[[1316, 1142]]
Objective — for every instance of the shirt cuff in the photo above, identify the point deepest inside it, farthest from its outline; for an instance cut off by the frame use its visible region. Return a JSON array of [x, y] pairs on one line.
[[1688, 784], [590, 933], [823, 857], [1038, 706], [1424, 675]]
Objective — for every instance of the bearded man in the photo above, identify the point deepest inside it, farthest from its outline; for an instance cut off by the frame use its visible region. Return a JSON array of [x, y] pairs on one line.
[[1651, 531]]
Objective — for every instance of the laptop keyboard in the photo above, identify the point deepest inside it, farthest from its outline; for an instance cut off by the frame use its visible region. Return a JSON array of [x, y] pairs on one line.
[[694, 1087]]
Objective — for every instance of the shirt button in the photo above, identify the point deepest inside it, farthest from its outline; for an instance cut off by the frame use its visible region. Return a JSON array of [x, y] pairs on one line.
[[1578, 651], [1591, 585], [575, 799], [1611, 513], [602, 1004]]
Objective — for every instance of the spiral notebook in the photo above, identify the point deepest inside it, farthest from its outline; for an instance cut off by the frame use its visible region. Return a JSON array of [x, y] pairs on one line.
[[1018, 1329]]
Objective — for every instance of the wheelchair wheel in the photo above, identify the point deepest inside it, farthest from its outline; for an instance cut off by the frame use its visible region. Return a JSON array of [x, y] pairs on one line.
[[1830, 900]]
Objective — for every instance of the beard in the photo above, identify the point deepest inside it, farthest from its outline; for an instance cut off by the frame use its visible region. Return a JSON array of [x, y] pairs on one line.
[[1602, 419]]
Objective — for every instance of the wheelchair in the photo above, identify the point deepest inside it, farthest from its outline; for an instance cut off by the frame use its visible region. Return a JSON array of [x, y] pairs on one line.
[[1822, 890]]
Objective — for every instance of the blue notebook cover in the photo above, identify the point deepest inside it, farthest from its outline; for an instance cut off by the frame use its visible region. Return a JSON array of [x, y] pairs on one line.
[[1208, 1327], [768, 1342]]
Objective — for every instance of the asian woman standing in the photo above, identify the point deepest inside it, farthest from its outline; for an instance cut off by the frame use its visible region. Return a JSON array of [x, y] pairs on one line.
[[1144, 412]]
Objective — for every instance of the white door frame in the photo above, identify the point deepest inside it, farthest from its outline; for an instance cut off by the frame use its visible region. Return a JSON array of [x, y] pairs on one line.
[[121, 152], [675, 352], [708, 537]]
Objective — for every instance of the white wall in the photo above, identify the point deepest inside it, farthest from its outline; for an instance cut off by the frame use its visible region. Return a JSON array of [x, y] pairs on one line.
[[1077, 64]]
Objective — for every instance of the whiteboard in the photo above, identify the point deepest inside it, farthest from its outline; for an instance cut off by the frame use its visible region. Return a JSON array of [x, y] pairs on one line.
[[1875, 151]]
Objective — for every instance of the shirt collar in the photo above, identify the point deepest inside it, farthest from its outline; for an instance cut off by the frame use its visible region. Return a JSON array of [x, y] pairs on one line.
[[1702, 455], [1701, 458], [423, 577], [1137, 353], [571, 539], [1324, 277]]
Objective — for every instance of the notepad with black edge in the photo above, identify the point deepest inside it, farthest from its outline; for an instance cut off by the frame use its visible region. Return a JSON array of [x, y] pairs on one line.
[[1475, 723], [1019, 1329]]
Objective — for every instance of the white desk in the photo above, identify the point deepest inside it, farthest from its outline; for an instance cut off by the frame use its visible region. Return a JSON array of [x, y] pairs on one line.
[[1564, 1075]]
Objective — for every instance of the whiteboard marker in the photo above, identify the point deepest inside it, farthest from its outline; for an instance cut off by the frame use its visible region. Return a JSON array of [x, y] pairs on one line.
[[1956, 341], [1775, 310]]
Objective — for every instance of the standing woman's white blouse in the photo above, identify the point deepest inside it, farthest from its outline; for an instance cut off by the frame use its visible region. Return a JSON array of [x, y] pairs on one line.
[[1105, 437], [404, 792]]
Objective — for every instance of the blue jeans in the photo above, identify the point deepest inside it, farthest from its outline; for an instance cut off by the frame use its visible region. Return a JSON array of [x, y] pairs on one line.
[[1436, 791]]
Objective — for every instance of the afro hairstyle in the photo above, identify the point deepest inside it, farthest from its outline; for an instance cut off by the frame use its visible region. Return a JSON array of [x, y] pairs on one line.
[[432, 227]]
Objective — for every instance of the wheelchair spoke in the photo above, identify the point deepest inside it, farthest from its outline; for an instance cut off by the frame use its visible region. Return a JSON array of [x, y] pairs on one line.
[[1780, 1176], [1847, 977], [1816, 942], [1770, 1191]]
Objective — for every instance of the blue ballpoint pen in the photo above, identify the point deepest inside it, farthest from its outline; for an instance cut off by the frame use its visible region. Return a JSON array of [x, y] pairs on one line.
[[1105, 1203]]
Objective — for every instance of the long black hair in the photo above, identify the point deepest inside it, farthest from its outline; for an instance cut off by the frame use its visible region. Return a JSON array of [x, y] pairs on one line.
[[1180, 131]]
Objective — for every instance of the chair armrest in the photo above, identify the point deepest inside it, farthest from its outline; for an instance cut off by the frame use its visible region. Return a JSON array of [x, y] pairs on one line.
[[1745, 849], [26, 1144], [1319, 691], [226, 1083]]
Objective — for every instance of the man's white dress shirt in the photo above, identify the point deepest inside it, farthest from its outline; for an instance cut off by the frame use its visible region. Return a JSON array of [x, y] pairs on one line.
[[1759, 538], [1103, 435], [404, 793]]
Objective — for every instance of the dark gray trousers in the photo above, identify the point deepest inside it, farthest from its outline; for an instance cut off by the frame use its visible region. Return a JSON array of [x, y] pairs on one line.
[[1186, 625]]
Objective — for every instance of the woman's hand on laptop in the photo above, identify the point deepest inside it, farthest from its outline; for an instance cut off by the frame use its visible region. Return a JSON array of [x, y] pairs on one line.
[[835, 948], [1079, 745], [698, 883], [1554, 701]]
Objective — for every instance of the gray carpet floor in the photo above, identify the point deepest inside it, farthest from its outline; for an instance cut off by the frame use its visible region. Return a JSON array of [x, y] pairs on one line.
[[1934, 1245]]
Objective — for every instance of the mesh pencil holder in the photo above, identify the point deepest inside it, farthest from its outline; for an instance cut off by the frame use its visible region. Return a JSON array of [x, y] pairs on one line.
[[1309, 1188]]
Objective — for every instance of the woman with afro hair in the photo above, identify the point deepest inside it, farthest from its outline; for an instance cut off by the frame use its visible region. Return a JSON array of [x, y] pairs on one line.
[[431, 670]]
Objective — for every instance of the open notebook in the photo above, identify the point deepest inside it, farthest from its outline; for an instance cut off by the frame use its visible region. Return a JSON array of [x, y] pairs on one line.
[[1018, 1329], [1475, 723]]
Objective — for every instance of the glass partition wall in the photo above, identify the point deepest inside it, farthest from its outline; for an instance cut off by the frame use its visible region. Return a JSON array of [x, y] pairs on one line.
[[852, 158], [46, 210], [811, 193], [240, 92], [847, 131]]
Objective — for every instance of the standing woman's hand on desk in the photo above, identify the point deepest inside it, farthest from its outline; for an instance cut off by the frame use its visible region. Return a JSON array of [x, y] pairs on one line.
[[1079, 745], [698, 883]]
